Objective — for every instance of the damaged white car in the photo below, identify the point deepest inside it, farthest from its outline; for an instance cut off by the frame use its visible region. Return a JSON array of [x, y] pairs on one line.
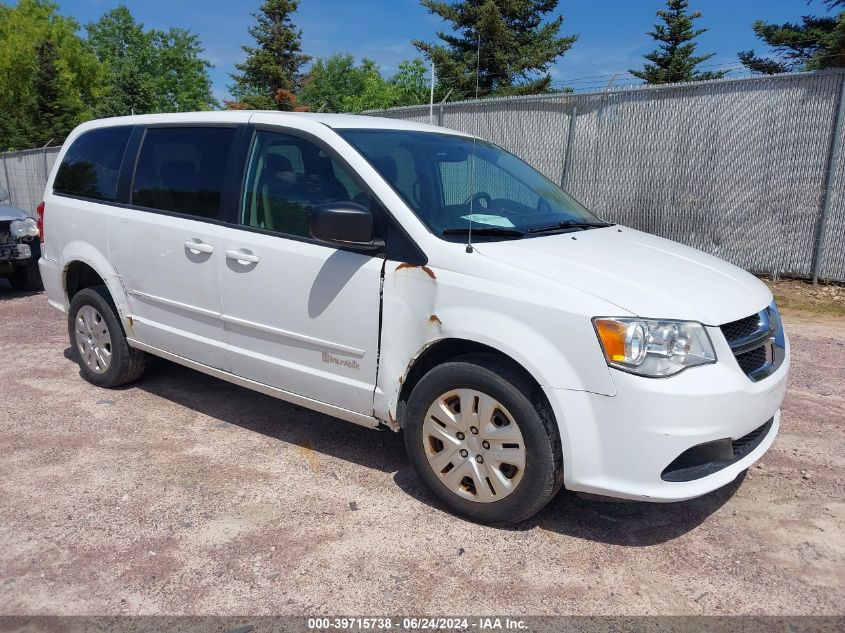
[[418, 279], [19, 247]]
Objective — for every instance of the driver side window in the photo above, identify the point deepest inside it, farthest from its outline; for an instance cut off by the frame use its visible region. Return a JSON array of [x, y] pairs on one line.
[[286, 177]]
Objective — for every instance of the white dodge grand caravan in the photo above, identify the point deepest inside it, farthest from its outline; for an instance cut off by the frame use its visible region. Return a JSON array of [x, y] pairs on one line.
[[410, 277]]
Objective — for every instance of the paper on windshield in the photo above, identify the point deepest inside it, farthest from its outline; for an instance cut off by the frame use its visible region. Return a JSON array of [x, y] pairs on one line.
[[492, 220]]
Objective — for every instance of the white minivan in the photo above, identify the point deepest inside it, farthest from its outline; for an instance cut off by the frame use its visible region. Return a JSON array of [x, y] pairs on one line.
[[409, 277]]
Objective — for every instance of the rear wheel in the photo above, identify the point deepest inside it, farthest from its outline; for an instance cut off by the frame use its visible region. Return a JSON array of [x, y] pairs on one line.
[[98, 342], [479, 435]]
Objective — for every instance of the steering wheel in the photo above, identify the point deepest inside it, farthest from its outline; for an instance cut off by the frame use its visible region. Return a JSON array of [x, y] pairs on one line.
[[478, 197]]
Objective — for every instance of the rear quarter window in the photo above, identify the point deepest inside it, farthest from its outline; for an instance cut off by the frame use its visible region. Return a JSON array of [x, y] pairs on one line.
[[91, 165]]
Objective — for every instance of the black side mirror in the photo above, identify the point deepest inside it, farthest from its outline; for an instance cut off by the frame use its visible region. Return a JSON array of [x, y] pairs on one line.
[[344, 224]]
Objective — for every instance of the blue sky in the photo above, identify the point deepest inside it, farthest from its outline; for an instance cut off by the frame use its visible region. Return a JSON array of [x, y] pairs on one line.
[[612, 33]]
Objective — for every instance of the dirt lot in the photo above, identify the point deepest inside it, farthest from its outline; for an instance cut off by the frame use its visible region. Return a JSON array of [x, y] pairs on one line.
[[186, 495]]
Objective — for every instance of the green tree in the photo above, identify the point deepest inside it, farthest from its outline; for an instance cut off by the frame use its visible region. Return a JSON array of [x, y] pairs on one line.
[[675, 59], [411, 83], [816, 43], [49, 80], [511, 43], [330, 82], [180, 73], [375, 92], [336, 84], [272, 69], [148, 71]]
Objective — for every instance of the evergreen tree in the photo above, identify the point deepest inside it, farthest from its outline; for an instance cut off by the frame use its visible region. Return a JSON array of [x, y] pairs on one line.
[[509, 41], [675, 59], [55, 114], [816, 43], [272, 69]]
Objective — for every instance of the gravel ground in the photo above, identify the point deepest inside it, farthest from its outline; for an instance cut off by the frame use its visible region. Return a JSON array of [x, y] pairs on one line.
[[183, 494]]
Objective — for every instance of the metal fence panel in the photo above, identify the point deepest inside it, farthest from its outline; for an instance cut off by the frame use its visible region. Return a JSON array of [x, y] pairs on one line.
[[735, 167], [737, 173], [832, 250], [24, 176], [515, 126]]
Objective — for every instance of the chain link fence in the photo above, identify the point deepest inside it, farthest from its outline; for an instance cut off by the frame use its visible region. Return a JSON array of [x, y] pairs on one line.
[[740, 168], [749, 170]]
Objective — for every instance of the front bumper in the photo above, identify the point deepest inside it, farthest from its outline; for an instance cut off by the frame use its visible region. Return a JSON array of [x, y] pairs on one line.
[[620, 446], [15, 252]]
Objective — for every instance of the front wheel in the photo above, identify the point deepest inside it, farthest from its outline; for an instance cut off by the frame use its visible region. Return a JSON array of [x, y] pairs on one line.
[[479, 435]]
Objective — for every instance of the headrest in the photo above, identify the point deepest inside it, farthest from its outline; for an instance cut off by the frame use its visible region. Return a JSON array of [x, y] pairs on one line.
[[275, 163]]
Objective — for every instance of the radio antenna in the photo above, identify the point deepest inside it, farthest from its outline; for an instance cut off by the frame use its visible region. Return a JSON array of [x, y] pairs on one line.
[[473, 187]]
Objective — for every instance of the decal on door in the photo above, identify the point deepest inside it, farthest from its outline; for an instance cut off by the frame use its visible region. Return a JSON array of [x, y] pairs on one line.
[[346, 362]]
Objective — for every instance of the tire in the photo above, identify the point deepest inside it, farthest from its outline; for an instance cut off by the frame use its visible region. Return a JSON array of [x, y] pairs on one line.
[[26, 277], [515, 491], [122, 364]]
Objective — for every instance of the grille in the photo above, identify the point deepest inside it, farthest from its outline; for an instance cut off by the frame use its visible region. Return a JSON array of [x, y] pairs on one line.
[[748, 338], [753, 360], [736, 330]]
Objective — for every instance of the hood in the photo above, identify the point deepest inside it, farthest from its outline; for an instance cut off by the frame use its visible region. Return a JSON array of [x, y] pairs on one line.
[[646, 275], [8, 213]]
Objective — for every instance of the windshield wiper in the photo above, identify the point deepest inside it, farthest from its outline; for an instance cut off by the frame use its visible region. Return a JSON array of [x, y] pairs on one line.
[[484, 231], [569, 224]]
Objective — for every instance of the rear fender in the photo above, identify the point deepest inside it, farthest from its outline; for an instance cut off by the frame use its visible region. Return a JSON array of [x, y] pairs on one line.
[[79, 251]]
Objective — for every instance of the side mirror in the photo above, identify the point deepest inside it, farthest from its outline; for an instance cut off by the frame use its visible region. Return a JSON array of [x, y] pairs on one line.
[[344, 224], [4, 195]]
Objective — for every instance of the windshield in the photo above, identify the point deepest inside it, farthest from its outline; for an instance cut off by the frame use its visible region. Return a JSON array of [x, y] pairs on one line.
[[450, 180]]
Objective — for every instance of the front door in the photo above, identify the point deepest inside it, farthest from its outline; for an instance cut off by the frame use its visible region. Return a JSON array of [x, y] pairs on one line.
[[299, 315]]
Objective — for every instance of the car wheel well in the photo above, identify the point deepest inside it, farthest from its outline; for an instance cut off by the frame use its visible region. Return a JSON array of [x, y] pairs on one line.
[[79, 275], [447, 350]]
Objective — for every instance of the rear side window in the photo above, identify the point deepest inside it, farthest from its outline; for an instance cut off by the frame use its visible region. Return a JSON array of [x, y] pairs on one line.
[[182, 169], [91, 166]]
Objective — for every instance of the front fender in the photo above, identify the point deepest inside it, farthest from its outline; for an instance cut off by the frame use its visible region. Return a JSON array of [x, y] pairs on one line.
[[423, 305]]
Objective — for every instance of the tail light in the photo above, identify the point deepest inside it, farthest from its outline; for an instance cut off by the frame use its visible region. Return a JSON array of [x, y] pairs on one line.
[[39, 220]]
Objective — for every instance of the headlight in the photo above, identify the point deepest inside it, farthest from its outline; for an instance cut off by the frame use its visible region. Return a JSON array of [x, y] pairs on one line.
[[653, 348], [777, 325], [24, 228]]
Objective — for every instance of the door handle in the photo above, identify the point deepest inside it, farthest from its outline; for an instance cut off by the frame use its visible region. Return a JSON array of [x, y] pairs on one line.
[[242, 256], [198, 247]]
